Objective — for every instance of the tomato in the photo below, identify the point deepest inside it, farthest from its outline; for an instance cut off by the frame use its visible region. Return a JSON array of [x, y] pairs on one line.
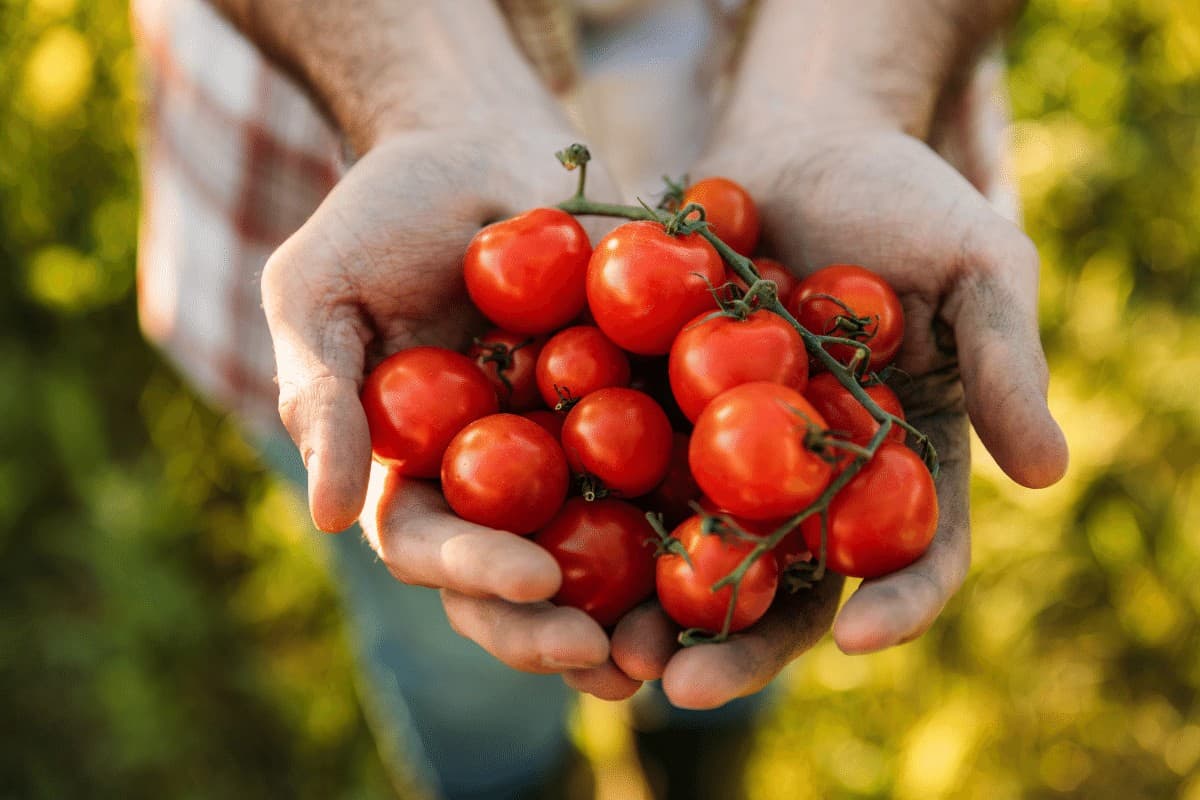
[[685, 590], [551, 421], [882, 520], [621, 437], [606, 552], [672, 497], [790, 548], [578, 361], [730, 212], [715, 353], [509, 359], [505, 472], [866, 296], [417, 400], [748, 452], [845, 415], [527, 274], [769, 270], [643, 284]]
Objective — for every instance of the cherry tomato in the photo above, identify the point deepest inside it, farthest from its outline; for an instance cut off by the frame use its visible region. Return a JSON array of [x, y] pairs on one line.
[[505, 472], [605, 549], [790, 548], [508, 359], [715, 353], [527, 274], [845, 415], [672, 497], [643, 284], [551, 421], [882, 520], [621, 437], [685, 590], [417, 400], [769, 270], [869, 311], [748, 452], [730, 212], [578, 361]]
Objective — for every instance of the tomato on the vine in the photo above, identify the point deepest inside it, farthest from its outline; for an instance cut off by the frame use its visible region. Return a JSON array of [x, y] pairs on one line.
[[790, 548], [854, 303], [576, 362], [644, 284], [752, 451], [508, 359], [620, 437], [847, 417], [685, 590], [505, 472], [605, 550], [527, 274], [769, 270], [882, 520], [729, 210], [717, 352], [416, 400]]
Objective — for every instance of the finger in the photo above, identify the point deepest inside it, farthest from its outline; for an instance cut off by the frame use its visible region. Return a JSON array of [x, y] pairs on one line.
[[710, 675], [423, 543], [900, 607], [534, 637], [319, 362], [644, 641], [1003, 367], [606, 682]]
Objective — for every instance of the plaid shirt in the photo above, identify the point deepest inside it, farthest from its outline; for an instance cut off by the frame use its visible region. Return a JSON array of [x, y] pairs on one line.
[[236, 157]]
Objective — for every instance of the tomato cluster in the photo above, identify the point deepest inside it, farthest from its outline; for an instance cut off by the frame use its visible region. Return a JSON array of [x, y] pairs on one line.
[[641, 384]]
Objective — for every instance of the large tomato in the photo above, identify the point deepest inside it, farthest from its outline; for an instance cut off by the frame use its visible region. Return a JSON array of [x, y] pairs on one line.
[[505, 472], [606, 552], [578, 361], [417, 400], [509, 360], [882, 520], [715, 353], [848, 417], [685, 590], [729, 210], [749, 452], [869, 311], [621, 437], [643, 284], [527, 274]]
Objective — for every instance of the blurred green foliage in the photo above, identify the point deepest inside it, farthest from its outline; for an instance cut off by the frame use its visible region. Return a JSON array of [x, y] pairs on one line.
[[168, 631]]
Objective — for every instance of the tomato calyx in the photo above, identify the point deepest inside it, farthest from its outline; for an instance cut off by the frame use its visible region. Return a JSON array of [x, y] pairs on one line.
[[672, 196], [566, 400], [501, 355], [590, 487]]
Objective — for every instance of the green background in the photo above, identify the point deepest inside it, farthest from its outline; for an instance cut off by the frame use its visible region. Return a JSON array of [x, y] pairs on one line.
[[167, 631]]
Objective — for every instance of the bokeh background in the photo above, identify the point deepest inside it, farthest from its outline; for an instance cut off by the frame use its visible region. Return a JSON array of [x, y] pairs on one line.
[[166, 629]]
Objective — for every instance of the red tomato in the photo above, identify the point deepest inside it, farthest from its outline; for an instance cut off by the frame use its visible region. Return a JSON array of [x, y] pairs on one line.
[[712, 354], [527, 274], [417, 400], [578, 361], [643, 284], [790, 548], [606, 552], [620, 436], [769, 270], [866, 296], [551, 421], [845, 415], [685, 591], [730, 212], [882, 520], [505, 472], [672, 497], [748, 452], [508, 359]]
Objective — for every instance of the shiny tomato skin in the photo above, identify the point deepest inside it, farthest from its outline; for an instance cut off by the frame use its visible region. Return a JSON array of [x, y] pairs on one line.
[[866, 294], [673, 496], [605, 550], [620, 436], [505, 472], [883, 519], [504, 355], [685, 591], [416, 400], [845, 415], [643, 285], [715, 353], [551, 421], [527, 274], [769, 270], [748, 452], [729, 210], [577, 361]]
